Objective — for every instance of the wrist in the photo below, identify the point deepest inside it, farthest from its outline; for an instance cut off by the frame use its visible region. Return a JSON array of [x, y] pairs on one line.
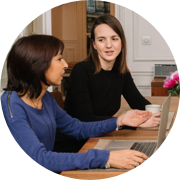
[[119, 120], [118, 123], [107, 166]]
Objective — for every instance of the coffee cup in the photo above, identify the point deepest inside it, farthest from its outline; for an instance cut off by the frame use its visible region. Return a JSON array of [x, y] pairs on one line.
[[154, 108]]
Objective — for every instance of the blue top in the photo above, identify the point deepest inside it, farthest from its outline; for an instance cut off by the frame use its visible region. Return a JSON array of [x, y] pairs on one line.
[[34, 130]]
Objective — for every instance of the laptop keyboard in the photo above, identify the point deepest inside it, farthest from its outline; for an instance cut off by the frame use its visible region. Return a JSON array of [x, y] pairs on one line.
[[146, 147]]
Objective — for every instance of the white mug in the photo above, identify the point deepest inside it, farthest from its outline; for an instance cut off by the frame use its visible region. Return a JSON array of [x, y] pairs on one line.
[[154, 108]]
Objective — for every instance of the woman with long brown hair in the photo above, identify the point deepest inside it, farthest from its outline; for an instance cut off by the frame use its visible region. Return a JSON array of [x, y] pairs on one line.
[[97, 83]]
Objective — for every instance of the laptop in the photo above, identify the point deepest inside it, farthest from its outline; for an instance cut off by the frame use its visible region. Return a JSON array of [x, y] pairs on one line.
[[148, 147]]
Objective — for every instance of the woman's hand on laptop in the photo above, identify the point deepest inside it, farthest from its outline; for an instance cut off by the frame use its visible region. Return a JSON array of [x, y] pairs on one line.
[[154, 121], [133, 118], [126, 159]]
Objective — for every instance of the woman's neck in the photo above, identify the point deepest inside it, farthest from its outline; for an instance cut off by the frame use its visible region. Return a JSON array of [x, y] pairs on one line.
[[35, 102], [107, 65], [106, 68]]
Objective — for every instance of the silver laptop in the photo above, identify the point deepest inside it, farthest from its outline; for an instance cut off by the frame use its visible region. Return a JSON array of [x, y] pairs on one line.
[[146, 146]]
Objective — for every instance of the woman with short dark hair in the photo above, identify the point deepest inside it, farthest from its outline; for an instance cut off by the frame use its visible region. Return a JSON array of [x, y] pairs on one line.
[[33, 116], [24, 71]]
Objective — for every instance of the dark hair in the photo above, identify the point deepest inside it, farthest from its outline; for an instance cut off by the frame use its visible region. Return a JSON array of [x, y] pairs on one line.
[[27, 62], [120, 63]]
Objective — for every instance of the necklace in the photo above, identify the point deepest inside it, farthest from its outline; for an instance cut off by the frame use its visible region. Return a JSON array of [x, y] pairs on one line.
[[51, 137]]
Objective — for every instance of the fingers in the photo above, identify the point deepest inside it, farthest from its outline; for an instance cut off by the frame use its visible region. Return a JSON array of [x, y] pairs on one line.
[[157, 114], [126, 159], [156, 122], [145, 114], [152, 122], [142, 112], [139, 112], [138, 159], [140, 155], [143, 118], [136, 164]]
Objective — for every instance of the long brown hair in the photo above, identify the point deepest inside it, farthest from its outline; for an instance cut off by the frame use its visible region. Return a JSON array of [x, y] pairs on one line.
[[27, 62], [120, 63]]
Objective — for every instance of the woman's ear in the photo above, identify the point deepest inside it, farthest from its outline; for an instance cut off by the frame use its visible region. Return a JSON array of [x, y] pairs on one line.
[[94, 45]]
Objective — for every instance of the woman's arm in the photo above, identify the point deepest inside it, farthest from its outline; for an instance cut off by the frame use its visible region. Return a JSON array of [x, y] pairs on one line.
[[83, 130], [53, 161], [29, 136], [132, 94], [137, 101]]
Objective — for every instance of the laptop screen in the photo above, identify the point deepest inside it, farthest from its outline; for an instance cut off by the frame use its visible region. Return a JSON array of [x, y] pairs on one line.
[[164, 120]]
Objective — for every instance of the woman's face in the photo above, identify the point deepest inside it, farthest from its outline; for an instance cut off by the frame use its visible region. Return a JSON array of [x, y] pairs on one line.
[[107, 43], [56, 69]]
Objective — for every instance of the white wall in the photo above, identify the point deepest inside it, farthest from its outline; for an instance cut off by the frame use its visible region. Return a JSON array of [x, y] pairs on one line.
[[141, 58]]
